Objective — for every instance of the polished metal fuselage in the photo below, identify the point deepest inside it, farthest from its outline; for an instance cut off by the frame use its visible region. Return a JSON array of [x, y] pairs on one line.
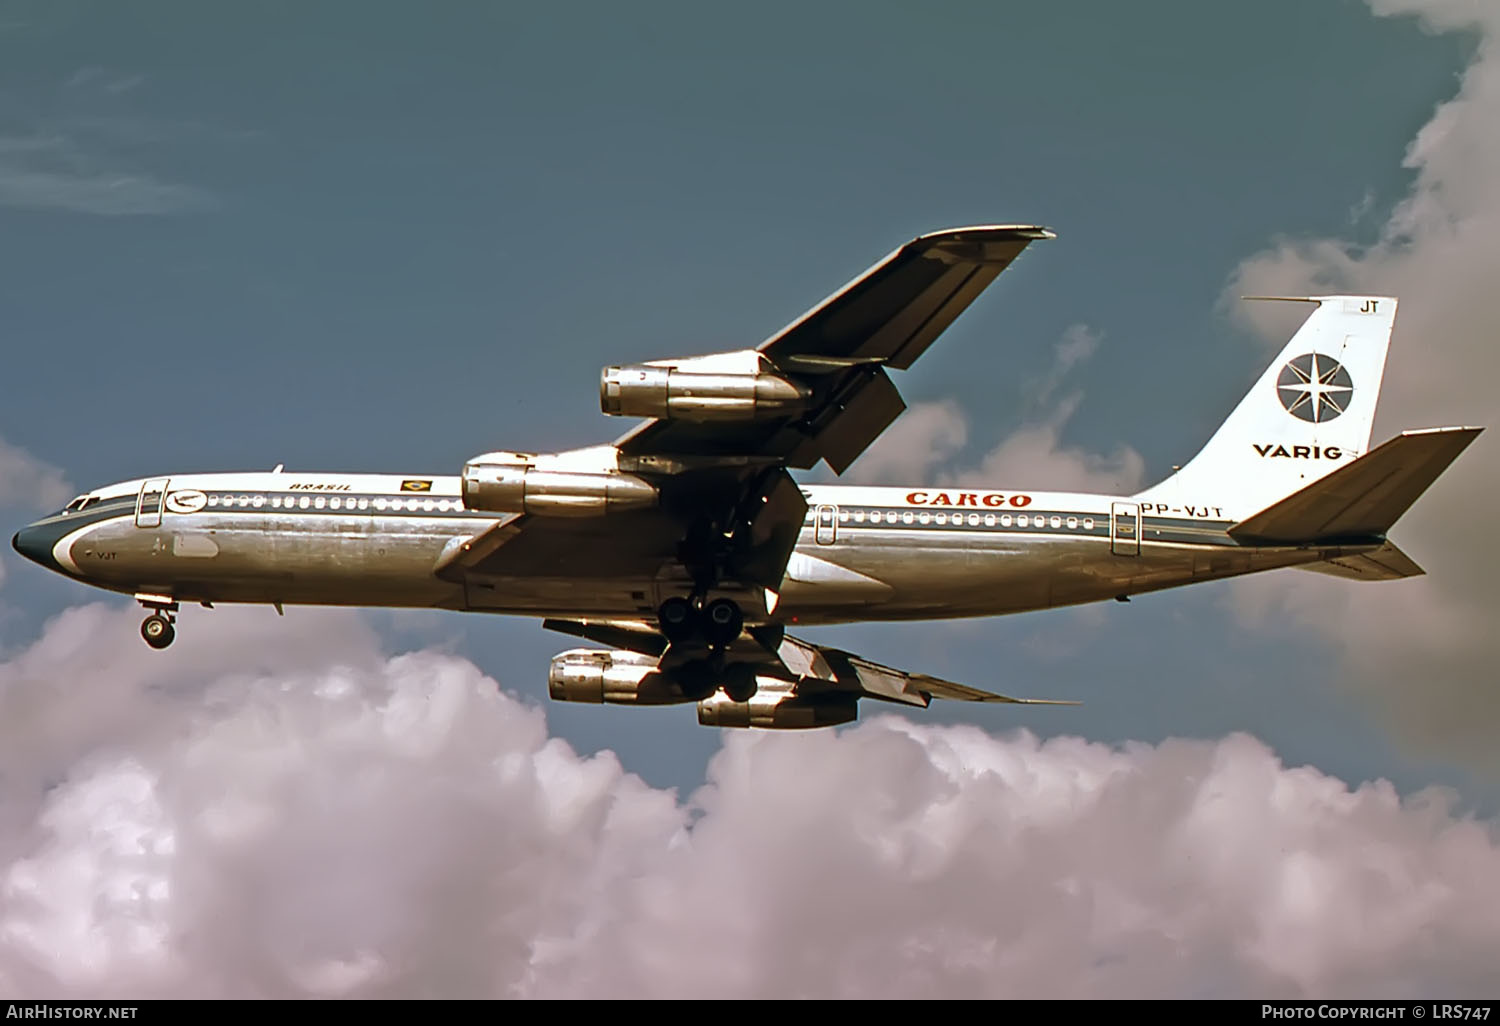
[[863, 554]]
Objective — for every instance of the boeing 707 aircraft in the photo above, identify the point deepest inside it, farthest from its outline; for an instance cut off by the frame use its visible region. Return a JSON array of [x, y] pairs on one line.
[[685, 548]]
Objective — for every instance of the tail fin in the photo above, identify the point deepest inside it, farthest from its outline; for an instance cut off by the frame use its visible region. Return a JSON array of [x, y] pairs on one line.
[[1310, 413]]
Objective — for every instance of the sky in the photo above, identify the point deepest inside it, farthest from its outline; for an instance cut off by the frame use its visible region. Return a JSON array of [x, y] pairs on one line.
[[373, 237]]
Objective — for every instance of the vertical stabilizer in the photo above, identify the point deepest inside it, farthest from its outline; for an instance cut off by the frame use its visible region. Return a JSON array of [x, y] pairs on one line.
[[1310, 413]]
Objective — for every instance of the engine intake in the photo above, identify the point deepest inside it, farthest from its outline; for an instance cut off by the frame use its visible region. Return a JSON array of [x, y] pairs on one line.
[[641, 390], [521, 488], [611, 675], [778, 710]]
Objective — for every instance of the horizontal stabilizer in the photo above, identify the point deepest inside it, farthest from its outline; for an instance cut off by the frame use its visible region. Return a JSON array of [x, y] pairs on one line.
[[1365, 497], [1386, 563]]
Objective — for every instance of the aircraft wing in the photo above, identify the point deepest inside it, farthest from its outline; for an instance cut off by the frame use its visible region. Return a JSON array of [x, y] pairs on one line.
[[885, 318], [726, 496], [813, 668], [819, 665]]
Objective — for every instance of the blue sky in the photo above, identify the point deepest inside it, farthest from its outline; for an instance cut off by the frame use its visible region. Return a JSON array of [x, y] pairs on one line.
[[377, 237]]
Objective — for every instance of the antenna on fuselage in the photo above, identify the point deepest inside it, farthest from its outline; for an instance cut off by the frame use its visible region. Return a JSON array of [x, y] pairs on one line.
[[277, 468]]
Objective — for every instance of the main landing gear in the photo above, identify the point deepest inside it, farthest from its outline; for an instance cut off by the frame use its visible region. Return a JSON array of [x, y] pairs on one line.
[[157, 628], [714, 625], [717, 623]]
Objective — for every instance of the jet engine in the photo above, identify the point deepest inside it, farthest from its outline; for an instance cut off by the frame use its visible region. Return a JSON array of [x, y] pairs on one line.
[[610, 675], [643, 390], [778, 709], [496, 484]]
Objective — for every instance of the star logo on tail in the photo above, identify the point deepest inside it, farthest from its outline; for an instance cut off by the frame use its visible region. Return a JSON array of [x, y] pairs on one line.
[[1314, 387]]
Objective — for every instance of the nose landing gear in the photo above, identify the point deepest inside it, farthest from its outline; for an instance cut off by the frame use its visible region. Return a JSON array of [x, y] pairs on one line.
[[158, 631], [157, 628]]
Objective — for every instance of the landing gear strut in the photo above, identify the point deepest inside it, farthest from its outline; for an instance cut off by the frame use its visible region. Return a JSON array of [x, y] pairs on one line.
[[157, 628]]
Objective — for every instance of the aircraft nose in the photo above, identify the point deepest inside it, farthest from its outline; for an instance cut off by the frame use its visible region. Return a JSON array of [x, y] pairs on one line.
[[30, 542]]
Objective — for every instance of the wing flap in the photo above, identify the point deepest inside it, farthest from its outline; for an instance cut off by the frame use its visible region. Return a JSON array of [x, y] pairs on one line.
[[856, 673], [1364, 498]]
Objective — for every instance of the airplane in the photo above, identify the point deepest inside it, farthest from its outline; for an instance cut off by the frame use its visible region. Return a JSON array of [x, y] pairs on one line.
[[686, 548]]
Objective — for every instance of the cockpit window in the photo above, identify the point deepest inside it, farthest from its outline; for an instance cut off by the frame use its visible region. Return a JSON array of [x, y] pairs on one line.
[[80, 502]]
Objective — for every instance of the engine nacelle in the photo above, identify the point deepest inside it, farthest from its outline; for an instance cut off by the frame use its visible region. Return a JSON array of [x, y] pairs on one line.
[[497, 486], [610, 675], [642, 390], [777, 709]]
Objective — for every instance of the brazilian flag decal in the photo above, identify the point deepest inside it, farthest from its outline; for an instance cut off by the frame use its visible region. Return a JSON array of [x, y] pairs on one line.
[[416, 486]]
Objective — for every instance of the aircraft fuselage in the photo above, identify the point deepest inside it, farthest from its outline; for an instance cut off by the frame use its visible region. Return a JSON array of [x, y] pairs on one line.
[[864, 553]]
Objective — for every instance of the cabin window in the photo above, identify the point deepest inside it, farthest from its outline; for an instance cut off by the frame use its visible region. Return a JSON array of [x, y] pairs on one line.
[[989, 520], [1088, 523], [907, 517], [364, 503], [1072, 523], [1056, 522]]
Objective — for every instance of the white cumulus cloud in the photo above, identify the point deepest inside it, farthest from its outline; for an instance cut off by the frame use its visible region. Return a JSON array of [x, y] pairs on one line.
[[278, 807]]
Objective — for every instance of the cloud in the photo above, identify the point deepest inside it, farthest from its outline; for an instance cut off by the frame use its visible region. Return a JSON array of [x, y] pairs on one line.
[[58, 172], [925, 441], [26, 482], [1423, 650], [278, 807]]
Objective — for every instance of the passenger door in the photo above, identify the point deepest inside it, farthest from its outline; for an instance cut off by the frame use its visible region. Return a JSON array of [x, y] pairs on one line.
[[827, 530], [148, 502], [1125, 529]]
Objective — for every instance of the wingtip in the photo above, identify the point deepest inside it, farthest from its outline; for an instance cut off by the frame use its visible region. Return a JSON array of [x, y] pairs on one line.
[[1025, 231]]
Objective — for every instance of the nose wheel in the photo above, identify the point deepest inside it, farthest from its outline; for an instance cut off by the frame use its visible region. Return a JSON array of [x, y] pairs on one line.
[[158, 629]]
